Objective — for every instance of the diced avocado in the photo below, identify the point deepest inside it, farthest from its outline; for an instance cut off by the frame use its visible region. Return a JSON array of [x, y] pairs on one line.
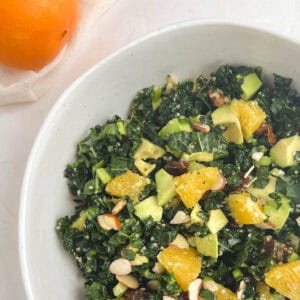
[[208, 245], [194, 166], [264, 161], [283, 153], [103, 175], [139, 260], [119, 289], [278, 215], [175, 125], [165, 187], [98, 165], [121, 127], [217, 220], [144, 168], [250, 85], [156, 99], [237, 274], [149, 208], [224, 116], [91, 187], [263, 194], [148, 150], [79, 223], [195, 218], [198, 156], [294, 256]]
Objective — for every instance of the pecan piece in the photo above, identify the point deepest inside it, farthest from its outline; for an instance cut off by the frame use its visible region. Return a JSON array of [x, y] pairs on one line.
[[176, 168], [139, 294], [217, 97], [268, 244], [268, 130], [183, 296], [201, 127]]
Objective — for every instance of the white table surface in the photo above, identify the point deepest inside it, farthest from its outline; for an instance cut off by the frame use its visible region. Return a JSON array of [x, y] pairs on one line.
[[125, 21]]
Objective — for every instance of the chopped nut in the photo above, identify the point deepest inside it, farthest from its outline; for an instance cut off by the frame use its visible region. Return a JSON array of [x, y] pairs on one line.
[[217, 97], [241, 290], [276, 250], [219, 185], [176, 168], [268, 244], [201, 127], [109, 222], [139, 294], [268, 130], [171, 83], [128, 280], [119, 206], [180, 218], [180, 242], [194, 289], [120, 266], [257, 156]]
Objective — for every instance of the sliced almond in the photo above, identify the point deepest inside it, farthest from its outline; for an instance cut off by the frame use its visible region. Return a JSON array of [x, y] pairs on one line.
[[119, 206], [241, 290], [194, 289], [219, 185], [201, 127], [247, 174], [120, 266], [112, 221], [180, 218], [102, 223], [158, 268], [210, 285], [267, 225], [180, 242], [128, 280]]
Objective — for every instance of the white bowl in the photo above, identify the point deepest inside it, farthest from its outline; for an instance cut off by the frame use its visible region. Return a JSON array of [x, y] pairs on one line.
[[185, 50]]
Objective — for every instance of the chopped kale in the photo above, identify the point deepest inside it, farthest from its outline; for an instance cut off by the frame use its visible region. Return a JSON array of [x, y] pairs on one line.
[[243, 255]]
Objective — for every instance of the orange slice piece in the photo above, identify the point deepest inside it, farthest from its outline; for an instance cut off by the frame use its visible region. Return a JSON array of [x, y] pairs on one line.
[[244, 210], [285, 279], [185, 264], [191, 186], [128, 184]]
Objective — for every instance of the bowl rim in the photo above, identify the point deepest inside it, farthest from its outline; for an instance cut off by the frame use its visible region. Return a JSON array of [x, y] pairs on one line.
[[26, 280]]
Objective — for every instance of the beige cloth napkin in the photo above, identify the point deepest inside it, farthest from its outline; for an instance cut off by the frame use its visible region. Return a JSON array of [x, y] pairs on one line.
[[18, 86]]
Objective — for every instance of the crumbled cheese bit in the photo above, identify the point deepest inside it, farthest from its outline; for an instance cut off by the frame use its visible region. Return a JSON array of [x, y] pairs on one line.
[[257, 156], [249, 171]]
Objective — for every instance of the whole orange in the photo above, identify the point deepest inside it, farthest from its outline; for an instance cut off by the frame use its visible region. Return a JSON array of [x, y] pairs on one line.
[[32, 32]]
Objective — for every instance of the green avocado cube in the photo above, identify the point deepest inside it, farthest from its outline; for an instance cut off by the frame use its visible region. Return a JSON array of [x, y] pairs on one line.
[[250, 86], [217, 220], [208, 245], [164, 186], [149, 208], [175, 125]]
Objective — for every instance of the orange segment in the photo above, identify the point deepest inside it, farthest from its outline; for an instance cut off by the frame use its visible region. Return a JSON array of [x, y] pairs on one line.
[[192, 185], [185, 264], [128, 184], [250, 115], [244, 210], [219, 290], [285, 279]]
